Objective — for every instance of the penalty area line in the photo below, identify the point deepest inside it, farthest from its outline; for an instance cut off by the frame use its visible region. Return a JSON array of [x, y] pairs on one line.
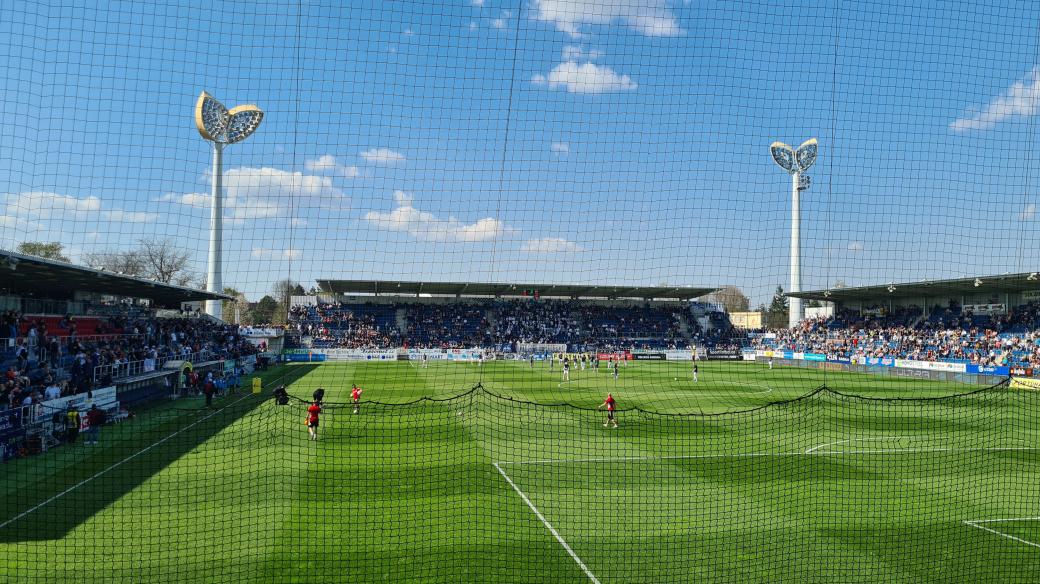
[[117, 464], [552, 530], [797, 453], [975, 523]]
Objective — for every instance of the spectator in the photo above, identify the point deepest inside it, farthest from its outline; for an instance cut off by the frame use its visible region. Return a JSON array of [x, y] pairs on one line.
[[95, 419]]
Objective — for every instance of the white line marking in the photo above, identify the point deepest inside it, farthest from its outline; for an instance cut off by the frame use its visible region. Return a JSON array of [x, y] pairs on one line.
[[872, 439], [1001, 534], [127, 459], [1003, 520], [768, 389], [819, 446], [767, 454], [552, 529]]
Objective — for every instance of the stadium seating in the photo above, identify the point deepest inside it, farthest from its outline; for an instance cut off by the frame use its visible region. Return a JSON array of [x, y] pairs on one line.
[[583, 326], [947, 334]]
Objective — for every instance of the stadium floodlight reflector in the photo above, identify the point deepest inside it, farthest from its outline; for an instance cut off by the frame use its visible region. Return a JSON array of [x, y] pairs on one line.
[[783, 156], [796, 163], [806, 154], [217, 124], [221, 126]]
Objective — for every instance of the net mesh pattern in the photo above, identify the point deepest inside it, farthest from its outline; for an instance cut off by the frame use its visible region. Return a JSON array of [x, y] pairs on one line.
[[489, 215]]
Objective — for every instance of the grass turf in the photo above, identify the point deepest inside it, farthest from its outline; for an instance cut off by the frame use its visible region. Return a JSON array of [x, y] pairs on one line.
[[821, 489]]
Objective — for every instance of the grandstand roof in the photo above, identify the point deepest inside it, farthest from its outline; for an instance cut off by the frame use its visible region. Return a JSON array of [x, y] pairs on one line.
[[1005, 283], [35, 276], [381, 287]]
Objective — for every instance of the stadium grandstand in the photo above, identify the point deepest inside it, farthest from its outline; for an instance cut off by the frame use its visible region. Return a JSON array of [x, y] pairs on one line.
[[72, 337], [986, 323], [504, 317]]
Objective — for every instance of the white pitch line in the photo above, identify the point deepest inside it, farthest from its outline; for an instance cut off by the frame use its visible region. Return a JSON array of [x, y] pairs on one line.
[[552, 530], [1002, 534], [1003, 520], [127, 459], [871, 439], [768, 454]]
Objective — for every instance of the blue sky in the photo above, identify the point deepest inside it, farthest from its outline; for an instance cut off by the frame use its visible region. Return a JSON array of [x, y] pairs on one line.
[[542, 140]]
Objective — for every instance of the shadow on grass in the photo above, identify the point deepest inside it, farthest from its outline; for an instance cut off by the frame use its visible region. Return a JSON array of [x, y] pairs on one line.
[[47, 496]]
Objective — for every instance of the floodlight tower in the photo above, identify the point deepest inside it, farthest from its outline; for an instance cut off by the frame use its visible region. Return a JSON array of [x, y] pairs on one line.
[[220, 127], [795, 162]]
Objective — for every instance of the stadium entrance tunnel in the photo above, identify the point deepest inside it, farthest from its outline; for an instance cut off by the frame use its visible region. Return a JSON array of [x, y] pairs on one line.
[[47, 496]]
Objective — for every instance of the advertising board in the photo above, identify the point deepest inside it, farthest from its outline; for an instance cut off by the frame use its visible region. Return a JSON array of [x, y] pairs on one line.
[[931, 365], [644, 356], [725, 355]]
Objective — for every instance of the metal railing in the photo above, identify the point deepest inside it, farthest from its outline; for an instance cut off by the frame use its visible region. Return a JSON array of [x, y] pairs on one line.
[[119, 371]]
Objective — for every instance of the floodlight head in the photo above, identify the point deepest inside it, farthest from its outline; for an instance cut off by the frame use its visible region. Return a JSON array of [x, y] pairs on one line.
[[806, 154], [783, 156], [891, 288], [1033, 276], [219, 125], [978, 282]]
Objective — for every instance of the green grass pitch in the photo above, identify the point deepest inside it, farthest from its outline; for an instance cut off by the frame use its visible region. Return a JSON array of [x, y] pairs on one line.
[[518, 481]]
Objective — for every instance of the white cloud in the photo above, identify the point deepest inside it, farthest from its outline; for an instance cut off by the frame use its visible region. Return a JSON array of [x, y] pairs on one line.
[[573, 53], [197, 200], [855, 246], [478, 2], [328, 163], [425, 226], [585, 78], [498, 23], [648, 17], [472, 25], [1021, 99], [408, 32], [276, 254], [550, 245], [382, 156], [259, 193], [1028, 212], [560, 147], [47, 205], [121, 216]]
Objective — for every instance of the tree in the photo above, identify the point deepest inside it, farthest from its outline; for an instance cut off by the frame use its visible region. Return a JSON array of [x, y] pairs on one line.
[[50, 251], [263, 312], [237, 309], [283, 292], [164, 263], [120, 262], [157, 260], [777, 315], [732, 298]]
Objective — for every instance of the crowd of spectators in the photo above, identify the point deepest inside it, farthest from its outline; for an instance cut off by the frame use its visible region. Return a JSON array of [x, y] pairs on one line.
[[946, 333], [497, 323], [345, 326], [48, 362]]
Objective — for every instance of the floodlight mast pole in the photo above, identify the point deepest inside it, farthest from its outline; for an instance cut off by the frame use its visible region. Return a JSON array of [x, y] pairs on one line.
[[794, 315], [214, 277], [795, 163], [220, 127]]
